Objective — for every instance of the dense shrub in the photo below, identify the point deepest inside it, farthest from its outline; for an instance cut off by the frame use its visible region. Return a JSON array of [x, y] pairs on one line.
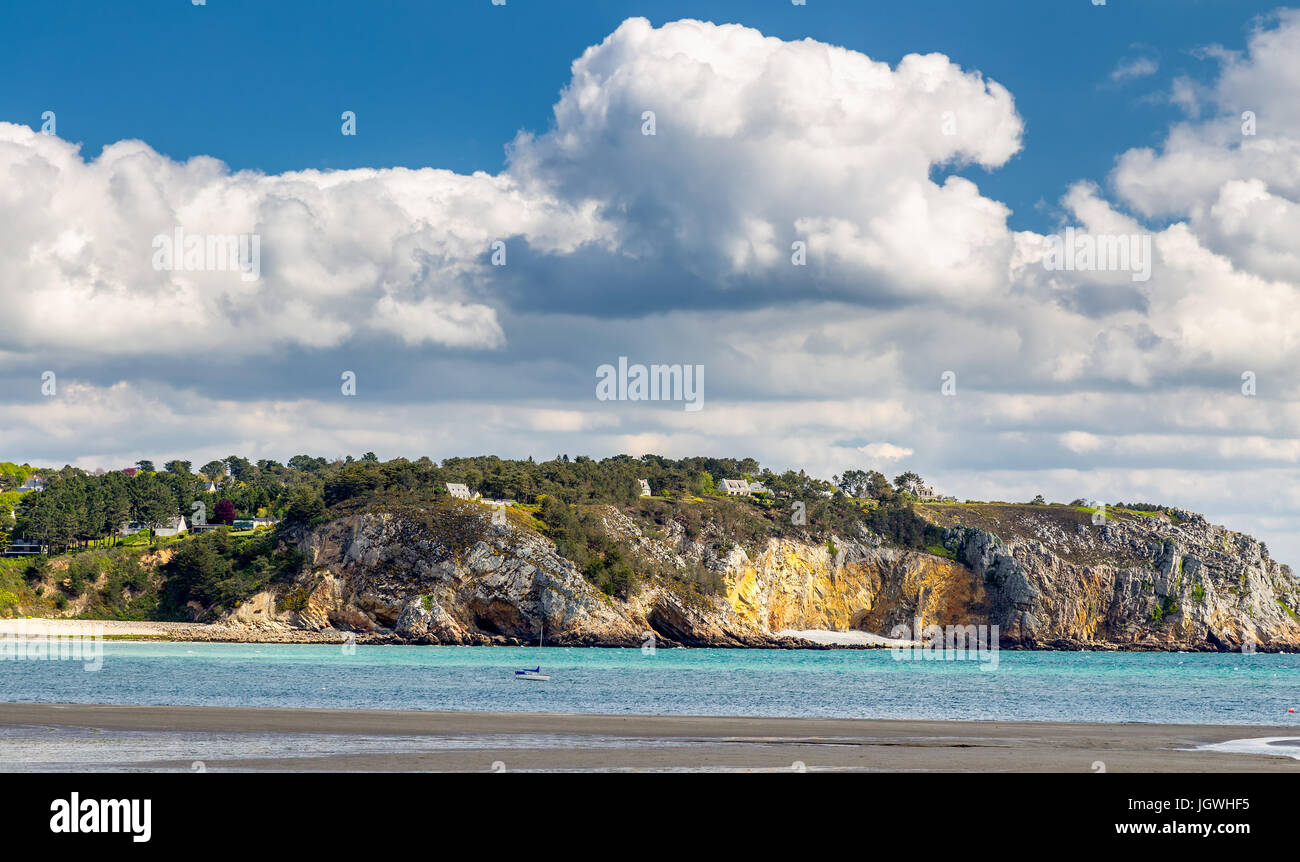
[[218, 572]]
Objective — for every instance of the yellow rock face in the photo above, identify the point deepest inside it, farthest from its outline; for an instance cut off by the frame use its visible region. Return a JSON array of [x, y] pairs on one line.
[[791, 585]]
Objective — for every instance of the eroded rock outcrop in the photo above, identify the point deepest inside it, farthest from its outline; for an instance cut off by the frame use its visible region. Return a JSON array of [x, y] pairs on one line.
[[1046, 576], [1166, 581]]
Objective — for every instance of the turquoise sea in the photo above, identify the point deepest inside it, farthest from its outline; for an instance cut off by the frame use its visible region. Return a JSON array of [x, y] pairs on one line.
[[1197, 688]]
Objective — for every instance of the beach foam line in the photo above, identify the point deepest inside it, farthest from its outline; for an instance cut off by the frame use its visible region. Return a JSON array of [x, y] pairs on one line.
[[854, 638], [1277, 746]]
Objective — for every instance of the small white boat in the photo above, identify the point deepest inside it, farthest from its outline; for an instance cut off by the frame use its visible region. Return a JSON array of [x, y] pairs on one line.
[[536, 672]]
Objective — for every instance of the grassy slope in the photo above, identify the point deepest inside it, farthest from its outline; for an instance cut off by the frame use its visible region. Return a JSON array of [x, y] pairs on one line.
[[1031, 522]]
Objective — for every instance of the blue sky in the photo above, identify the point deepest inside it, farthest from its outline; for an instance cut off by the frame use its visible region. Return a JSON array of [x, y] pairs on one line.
[[447, 84], [815, 124]]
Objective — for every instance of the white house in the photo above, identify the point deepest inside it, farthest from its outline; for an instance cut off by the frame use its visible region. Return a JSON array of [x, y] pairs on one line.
[[758, 488], [734, 487], [459, 490], [645, 487], [212, 487], [33, 483], [22, 547], [174, 527]]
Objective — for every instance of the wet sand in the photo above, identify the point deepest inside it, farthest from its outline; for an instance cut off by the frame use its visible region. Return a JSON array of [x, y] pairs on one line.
[[401, 741]]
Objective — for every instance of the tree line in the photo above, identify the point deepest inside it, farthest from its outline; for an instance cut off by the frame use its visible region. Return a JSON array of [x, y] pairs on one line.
[[78, 508]]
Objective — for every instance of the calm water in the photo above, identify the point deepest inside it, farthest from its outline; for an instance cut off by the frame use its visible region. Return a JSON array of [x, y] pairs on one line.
[[1050, 686]]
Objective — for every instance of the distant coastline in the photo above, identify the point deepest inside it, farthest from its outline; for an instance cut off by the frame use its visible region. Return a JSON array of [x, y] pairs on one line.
[[180, 632], [626, 552]]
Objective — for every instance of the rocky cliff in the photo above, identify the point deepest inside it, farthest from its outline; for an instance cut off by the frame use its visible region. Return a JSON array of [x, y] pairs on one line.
[[1070, 577], [1048, 576]]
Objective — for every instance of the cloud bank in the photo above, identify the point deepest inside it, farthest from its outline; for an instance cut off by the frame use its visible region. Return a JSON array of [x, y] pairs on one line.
[[792, 224]]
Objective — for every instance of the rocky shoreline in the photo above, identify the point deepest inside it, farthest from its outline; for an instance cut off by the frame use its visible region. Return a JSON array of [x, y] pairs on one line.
[[175, 632]]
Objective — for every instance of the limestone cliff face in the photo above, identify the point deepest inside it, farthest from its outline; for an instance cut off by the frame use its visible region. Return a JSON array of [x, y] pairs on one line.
[[1170, 581], [793, 585], [449, 575]]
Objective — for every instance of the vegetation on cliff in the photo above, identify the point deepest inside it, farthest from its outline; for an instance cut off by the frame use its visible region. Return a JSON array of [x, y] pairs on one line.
[[217, 571], [209, 573], [80, 512], [692, 563]]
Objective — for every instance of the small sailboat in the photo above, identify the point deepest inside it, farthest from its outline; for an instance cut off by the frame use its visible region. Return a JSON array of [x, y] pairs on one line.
[[532, 673], [535, 673]]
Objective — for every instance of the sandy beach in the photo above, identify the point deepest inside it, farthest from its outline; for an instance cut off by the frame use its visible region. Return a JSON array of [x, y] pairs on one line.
[[178, 738], [216, 633], [169, 631]]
